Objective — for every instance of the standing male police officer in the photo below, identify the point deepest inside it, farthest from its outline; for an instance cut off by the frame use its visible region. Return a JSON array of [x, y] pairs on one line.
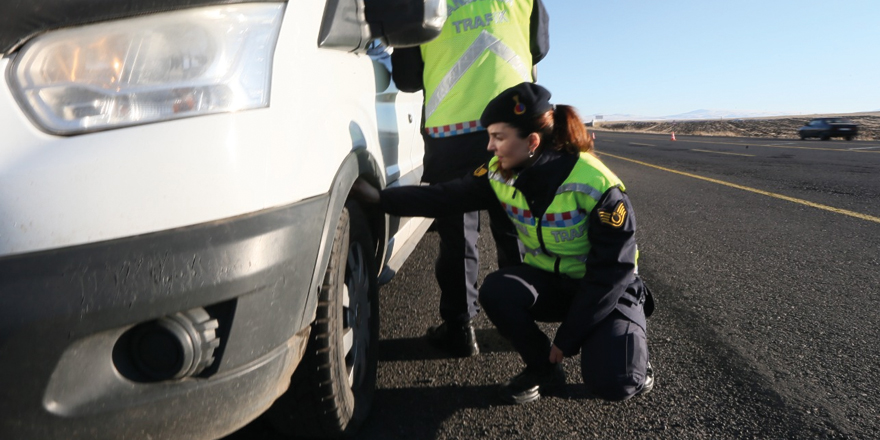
[[485, 47]]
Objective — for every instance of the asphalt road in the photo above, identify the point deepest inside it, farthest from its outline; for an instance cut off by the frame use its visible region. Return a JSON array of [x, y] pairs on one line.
[[763, 257]]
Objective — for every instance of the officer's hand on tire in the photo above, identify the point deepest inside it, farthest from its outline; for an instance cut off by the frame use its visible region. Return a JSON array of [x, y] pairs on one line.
[[364, 192]]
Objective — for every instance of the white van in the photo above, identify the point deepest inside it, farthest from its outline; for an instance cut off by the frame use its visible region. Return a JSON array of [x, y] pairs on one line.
[[177, 245]]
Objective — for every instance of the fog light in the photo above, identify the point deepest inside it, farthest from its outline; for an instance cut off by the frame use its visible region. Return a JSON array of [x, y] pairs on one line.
[[176, 346]]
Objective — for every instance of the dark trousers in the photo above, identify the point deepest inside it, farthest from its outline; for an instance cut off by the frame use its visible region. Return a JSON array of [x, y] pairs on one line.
[[458, 263], [614, 356]]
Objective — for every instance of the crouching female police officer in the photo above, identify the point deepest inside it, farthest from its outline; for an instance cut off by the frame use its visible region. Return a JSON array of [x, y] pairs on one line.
[[578, 228]]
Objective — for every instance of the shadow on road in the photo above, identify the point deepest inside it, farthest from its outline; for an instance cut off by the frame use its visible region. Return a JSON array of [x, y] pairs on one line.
[[418, 349], [420, 413], [415, 412]]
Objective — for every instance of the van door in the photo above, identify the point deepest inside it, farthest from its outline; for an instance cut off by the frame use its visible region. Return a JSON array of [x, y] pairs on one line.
[[398, 117]]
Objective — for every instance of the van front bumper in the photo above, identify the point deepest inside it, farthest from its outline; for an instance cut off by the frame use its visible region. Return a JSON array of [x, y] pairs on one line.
[[64, 312]]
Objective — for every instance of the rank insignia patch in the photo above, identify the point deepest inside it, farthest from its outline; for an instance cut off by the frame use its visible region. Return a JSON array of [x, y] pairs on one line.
[[614, 219], [481, 171]]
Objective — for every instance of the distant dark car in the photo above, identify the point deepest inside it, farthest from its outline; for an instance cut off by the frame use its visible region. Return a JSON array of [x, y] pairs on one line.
[[827, 128]]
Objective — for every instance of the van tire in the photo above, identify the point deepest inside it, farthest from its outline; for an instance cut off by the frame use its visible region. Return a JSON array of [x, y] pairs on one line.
[[332, 389]]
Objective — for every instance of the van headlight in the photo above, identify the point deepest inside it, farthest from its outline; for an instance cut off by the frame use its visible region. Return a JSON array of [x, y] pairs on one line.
[[153, 68]]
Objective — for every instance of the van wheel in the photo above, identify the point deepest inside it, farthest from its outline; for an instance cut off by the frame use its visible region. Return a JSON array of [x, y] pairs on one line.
[[332, 389]]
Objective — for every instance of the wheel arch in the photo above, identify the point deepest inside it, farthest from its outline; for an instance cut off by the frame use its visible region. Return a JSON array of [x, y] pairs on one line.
[[358, 163]]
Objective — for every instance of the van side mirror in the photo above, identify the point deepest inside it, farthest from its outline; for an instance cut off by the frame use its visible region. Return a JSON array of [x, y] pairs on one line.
[[405, 23], [350, 25]]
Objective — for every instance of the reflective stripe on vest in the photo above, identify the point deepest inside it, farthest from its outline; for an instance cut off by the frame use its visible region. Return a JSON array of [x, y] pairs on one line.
[[484, 42], [483, 49], [536, 252], [580, 187], [559, 242]]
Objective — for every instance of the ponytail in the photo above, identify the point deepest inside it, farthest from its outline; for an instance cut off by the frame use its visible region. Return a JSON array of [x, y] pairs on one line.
[[561, 129], [569, 132]]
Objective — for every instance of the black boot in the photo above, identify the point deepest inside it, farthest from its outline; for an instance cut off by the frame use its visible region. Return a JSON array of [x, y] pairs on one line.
[[649, 381], [457, 338], [531, 383]]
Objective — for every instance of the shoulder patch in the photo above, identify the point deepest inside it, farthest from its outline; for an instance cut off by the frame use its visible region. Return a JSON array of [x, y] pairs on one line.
[[481, 171], [614, 219]]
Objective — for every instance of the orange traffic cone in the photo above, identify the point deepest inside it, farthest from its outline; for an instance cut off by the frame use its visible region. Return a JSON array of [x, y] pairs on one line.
[[673, 135], [594, 135]]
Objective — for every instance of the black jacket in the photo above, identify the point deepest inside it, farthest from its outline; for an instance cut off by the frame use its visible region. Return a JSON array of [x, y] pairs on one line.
[[609, 267]]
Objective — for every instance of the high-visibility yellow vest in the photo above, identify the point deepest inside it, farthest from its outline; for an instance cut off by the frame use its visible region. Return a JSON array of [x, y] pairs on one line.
[[482, 50], [558, 241]]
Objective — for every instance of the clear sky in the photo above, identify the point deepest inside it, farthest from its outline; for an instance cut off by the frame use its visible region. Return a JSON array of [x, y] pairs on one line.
[[666, 57]]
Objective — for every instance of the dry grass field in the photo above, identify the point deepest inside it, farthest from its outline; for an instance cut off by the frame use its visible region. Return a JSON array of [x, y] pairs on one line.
[[783, 127]]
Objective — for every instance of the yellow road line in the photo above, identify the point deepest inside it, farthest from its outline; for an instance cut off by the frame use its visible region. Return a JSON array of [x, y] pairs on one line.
[[754, 190], [643, 145], [721, 152]]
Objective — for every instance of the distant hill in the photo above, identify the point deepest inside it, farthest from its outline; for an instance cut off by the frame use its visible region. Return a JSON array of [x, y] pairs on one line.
[[696, 114], [709, 114], [724, 114], [779, 127]]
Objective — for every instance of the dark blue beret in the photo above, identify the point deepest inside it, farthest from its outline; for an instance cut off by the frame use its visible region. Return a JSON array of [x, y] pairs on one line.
[[517, 105]]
